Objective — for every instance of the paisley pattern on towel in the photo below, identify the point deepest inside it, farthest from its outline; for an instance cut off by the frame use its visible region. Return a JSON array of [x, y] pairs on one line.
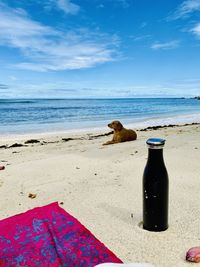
[[49, 236]]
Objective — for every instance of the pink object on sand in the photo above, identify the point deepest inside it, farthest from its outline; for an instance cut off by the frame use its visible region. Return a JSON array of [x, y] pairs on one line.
[[193, 254], [49, 237]]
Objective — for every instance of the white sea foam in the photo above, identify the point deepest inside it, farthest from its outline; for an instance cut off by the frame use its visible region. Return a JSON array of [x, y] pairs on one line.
[[166, 120]]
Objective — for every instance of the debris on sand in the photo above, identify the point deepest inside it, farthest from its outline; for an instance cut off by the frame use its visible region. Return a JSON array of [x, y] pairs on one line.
[[16, 145], [32, 141], [2, 168], [3, 146], [31, 195]]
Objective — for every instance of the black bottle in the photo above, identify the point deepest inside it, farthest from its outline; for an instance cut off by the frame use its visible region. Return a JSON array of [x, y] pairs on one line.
[[155, 188]]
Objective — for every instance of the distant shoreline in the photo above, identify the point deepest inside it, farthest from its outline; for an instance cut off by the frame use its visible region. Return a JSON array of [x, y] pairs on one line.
[[100, 98]]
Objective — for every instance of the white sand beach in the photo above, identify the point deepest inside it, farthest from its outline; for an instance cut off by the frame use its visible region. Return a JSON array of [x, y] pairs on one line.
[[102, 187]]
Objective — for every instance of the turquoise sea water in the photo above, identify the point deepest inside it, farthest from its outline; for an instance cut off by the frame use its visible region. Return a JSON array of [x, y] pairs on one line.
[[18, 116]]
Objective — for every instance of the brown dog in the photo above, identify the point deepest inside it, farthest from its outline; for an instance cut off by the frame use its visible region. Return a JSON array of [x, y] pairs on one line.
[[120, 133]]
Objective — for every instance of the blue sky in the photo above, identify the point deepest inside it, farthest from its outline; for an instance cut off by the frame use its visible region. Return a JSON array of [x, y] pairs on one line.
[[99, 48]]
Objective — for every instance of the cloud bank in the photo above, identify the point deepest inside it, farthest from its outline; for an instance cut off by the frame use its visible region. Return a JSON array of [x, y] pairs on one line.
[[47, 49], [3, 86]]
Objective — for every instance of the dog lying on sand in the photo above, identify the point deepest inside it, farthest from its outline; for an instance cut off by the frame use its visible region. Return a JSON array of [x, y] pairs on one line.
[[120, 133]]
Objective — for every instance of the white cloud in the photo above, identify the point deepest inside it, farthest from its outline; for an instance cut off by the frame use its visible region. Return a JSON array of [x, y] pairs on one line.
[[68, 7], [196, 30], [13, 78], [165, 46], [124, 3], [186, 8], [45, 48], [117, 3], [101, 6], [141, 37], [143, 24]]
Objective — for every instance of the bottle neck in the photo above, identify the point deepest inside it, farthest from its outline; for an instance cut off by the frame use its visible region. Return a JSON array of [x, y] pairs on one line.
[[155, 156]]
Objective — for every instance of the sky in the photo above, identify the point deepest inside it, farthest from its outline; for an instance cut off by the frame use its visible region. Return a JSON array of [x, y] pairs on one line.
[[99, 48]]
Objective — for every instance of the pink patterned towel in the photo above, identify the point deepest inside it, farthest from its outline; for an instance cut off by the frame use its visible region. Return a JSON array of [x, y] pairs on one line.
[[49, 236]]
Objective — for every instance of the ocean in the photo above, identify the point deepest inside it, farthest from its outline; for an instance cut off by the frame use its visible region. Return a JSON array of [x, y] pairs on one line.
[[23, 116]]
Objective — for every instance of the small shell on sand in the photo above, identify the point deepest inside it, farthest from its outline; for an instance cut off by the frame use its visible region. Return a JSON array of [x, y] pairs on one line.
[[193, 254]]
